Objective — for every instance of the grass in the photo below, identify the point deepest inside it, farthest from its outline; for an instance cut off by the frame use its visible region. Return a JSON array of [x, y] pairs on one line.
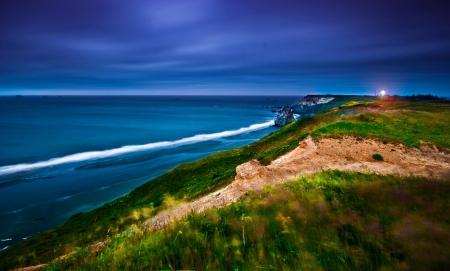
[[355, 103], [328, 221], [406, 123]]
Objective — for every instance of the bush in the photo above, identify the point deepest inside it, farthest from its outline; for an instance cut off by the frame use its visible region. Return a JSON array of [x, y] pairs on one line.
[[377, 157]]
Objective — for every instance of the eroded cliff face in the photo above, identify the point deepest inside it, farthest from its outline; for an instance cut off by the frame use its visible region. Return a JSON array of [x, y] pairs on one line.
[[284, 116], [314, 100], [310, 104]]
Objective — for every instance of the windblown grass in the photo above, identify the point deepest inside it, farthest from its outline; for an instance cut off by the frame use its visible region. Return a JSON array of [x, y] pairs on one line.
[[329, 221], [407, 123]]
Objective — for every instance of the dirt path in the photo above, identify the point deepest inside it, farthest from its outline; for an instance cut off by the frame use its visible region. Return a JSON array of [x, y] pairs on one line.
[[348, 154]]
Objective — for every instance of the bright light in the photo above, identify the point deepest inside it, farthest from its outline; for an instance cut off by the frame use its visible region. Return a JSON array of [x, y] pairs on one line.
[[383, 92]]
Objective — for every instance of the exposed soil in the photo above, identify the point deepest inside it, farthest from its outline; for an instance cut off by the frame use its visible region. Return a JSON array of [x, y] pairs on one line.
[[32, 268], [347, 154]]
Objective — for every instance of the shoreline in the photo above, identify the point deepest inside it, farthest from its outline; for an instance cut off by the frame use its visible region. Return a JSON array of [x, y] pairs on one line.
[[214, 172]]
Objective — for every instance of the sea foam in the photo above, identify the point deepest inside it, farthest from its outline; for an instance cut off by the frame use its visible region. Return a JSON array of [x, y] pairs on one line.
[[129, 149]]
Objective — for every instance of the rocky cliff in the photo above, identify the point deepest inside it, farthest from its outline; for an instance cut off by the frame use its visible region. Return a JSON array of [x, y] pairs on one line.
[[314, 104], [284, 116], [311, 104]]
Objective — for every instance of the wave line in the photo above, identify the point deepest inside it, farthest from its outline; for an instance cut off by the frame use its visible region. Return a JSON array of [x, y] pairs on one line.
[[129, 149]]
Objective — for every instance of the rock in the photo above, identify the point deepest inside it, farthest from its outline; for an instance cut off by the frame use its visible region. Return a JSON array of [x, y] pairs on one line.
[[247, 170], [310, 104], [303, 144], [314, 100], [284, 116]]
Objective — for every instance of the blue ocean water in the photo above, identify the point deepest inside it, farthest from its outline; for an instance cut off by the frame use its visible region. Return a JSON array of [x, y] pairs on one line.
[[60, 156]]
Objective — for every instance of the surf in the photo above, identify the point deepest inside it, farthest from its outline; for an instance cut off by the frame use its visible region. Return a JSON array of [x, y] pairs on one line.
[[78, 157]]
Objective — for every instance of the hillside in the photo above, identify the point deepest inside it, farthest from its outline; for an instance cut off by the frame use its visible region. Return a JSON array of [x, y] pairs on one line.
[[328, 221], [326, 228]]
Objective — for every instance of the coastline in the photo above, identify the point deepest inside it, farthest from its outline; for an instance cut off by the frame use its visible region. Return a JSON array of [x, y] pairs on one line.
[[68, 189], [218, 170]]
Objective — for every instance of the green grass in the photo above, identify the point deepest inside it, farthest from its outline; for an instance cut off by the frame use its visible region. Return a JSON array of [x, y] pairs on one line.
[[329, 221], [355, 103], [408, 123]]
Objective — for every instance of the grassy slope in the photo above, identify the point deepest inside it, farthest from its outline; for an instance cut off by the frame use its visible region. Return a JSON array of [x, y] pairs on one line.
[[194, 179], [403, 122], [329, 221]]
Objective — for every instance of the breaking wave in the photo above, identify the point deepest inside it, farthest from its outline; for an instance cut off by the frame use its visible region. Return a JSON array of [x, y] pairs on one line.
[[129, 149]]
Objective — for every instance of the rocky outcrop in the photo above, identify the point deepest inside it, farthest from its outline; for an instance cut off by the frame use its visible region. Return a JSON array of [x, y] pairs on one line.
[[284, 116], [310, 104], [314, 100], [247, 170]]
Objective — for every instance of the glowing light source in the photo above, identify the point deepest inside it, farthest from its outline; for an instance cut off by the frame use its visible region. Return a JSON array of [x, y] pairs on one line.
[[383, 92]]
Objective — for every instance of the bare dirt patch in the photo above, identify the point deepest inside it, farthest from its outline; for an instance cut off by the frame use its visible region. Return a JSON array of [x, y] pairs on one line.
[[347, 154]]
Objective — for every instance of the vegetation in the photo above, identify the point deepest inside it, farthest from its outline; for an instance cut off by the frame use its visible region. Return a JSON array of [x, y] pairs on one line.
[[407, 123], [421, 97], [329, 221], [354, 103], [377, 157], [402, 122]]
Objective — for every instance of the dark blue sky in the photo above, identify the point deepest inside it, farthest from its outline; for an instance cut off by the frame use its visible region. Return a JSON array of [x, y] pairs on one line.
[[224, 47]]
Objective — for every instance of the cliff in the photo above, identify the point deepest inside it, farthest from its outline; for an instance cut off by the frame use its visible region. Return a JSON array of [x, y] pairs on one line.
[[313, 104]]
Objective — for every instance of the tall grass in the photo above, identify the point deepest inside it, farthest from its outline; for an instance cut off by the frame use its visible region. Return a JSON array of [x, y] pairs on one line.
[[329, 221]]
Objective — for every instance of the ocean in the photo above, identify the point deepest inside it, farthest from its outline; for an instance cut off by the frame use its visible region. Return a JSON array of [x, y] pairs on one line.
[[62, 155]]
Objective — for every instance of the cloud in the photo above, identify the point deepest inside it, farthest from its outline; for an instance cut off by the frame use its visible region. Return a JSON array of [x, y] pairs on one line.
[[151, 45]]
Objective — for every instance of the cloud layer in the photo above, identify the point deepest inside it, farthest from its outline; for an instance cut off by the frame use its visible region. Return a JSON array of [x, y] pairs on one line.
[[223, 47]]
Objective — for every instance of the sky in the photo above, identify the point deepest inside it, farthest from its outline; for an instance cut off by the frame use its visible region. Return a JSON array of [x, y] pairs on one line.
[[224, 47]]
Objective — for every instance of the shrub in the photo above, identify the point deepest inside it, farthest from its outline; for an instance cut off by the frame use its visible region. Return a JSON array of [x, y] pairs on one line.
[[377, 157]]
